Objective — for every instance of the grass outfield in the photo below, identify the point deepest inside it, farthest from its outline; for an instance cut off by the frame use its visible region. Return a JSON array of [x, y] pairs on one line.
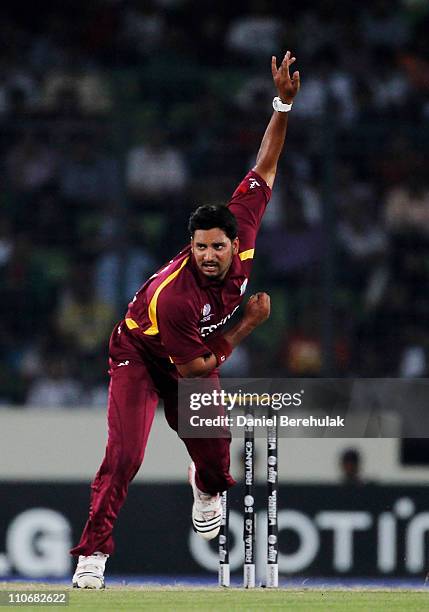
[[235, 599]]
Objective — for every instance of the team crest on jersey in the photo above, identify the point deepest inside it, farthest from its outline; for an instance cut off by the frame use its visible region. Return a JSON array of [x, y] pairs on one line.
[[243, 286], [206, 312]]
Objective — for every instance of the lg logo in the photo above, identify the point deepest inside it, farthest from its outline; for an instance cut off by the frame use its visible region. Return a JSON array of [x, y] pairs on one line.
[[37, 544]]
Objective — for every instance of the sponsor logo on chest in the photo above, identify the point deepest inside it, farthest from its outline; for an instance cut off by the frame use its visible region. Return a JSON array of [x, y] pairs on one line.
[[205, 330], [207, 314]]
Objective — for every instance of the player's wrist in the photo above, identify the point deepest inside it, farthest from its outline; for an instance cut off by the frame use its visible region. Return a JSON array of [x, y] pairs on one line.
[[282, 104], [244, 329]]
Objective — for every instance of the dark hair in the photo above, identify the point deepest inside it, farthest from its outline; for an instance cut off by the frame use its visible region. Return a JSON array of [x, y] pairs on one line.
[[209, 216]]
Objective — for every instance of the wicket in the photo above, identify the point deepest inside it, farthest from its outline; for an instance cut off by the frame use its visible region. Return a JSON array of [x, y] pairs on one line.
[[249, 525], [249, 506], [272, 509], [224, 578]]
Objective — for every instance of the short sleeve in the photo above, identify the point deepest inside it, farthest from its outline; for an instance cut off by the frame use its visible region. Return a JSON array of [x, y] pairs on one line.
[[248, 204], [178, 327]]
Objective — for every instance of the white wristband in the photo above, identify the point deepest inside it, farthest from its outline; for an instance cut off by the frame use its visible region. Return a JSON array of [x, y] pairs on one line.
[[280, 106]]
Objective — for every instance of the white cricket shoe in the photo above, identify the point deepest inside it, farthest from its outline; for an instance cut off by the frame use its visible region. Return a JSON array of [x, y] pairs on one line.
[[89, 572], [206, 510]]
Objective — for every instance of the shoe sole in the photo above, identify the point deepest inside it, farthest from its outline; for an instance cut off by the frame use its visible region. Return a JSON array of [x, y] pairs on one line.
[[89, 582]]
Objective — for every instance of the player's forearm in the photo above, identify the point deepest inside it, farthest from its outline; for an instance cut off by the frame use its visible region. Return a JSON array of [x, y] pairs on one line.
[[271, 147], [221, 349], [239, 332], [201, 366]]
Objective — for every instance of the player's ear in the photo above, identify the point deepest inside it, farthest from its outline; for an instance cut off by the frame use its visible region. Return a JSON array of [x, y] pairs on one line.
[[235, 246]]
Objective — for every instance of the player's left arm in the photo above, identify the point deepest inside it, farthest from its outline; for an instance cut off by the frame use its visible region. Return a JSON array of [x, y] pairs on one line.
[[257, 310], [275, 134]]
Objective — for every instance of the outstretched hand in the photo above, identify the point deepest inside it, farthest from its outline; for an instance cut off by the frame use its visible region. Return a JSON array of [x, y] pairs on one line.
[[287, 87]]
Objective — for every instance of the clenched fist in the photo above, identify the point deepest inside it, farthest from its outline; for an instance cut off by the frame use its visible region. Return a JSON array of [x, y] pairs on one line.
[[257, 309]]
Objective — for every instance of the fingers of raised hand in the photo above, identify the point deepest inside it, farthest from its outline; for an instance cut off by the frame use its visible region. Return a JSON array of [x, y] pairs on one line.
[[288, 60], [296, 79], [274, 65]]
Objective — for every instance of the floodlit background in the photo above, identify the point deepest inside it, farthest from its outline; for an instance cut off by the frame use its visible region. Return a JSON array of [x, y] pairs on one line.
[[118, 118]]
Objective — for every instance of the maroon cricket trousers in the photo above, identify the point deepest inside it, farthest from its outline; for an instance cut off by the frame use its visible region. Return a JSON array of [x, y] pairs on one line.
[[136, 384]]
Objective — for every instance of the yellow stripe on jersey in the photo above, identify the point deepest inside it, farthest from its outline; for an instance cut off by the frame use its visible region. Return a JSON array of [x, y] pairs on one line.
[[247, 254], [153, 329], [131, 324]]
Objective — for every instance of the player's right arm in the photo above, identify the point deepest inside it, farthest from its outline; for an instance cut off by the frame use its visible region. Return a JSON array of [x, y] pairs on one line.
[[275, 134], [251, 197], [257, 311]]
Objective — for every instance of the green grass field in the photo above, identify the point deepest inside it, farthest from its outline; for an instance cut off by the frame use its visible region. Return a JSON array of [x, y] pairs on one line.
[[212, 599]]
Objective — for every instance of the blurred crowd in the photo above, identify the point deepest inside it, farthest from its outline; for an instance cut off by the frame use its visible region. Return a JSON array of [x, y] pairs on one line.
[[118, 117]]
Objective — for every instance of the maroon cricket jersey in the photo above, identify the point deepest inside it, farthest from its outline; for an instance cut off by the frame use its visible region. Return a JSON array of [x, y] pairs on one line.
[[178, 307]]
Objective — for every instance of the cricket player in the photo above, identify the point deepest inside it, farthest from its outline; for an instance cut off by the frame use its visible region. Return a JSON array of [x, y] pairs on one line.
[[173, 329]]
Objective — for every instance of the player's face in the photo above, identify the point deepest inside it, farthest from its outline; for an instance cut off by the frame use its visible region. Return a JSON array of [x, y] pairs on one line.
[[213, 252]]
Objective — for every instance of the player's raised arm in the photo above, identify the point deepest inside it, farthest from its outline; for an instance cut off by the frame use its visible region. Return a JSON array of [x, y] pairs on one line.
[[274, 137]]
